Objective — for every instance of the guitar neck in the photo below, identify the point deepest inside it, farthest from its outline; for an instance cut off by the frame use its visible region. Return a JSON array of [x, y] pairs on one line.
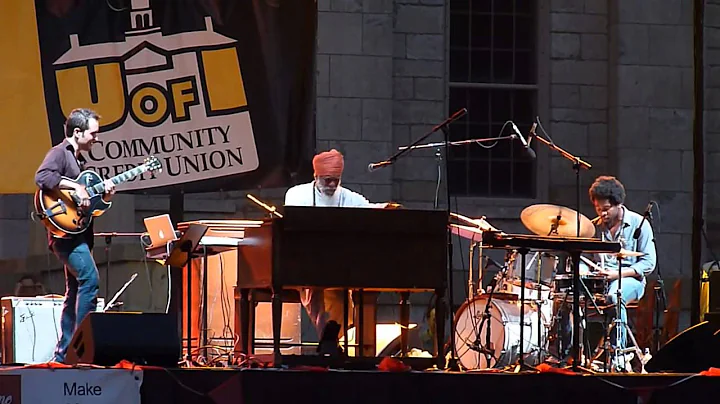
[[120, 178]]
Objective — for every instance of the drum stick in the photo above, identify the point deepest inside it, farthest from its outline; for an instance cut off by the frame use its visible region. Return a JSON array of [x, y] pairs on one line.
[[591, 264]]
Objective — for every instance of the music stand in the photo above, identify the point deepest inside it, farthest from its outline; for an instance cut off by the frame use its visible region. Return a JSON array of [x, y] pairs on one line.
[[181, 256]]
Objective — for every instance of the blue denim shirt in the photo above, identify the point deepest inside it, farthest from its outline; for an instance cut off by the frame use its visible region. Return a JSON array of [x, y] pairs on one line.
[[645, 243]]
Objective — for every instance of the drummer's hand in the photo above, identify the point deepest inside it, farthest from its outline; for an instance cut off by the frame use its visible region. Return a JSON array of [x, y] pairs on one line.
[[611, 275]]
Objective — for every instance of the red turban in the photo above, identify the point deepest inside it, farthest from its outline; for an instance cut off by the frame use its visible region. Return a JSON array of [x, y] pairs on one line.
[[329, 164]]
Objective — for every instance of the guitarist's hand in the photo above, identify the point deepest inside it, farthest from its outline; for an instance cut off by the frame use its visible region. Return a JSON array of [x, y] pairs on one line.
[[109, 187], [84, 197]]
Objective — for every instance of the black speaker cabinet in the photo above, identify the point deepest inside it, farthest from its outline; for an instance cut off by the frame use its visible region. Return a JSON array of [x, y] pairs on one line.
[[105, 339], [692, 351]]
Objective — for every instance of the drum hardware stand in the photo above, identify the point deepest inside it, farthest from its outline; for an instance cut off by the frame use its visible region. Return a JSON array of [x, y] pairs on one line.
[[521, 365], [620, 326], [488, 349]]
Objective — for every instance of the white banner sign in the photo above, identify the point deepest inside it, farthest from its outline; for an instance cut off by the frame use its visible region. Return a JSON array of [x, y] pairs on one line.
[[70, 386]]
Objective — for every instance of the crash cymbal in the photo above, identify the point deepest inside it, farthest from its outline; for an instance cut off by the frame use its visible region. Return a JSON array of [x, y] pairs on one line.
[[541, 219], [627, 253], [480, 223]]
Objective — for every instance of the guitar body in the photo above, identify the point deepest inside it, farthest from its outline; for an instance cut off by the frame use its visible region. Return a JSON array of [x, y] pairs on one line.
[[59, 209]]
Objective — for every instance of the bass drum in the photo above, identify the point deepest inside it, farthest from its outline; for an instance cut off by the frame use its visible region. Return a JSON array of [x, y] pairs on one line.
[[504, 326]]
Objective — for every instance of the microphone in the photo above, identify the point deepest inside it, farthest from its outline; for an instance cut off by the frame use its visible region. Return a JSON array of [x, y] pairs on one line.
[[525, 143], [646, 214], [493, 262], [374, 166]]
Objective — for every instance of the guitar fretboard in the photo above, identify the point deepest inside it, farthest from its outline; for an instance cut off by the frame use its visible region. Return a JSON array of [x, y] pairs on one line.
[[118, 179]]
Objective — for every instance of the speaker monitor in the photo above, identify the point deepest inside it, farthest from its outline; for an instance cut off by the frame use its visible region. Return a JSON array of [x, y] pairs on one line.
[[692, 351], [105, 339]]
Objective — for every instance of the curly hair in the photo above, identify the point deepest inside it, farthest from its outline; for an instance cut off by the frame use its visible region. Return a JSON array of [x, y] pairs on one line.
[[607, 187]]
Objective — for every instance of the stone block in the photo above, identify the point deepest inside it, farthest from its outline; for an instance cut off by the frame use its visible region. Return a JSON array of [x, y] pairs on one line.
[[339, 118], [323, 5], [419, 190], [401, 136], [377, 6], [414, 112], [418, 68], [578, 72], [578, 23], [652, 86], [429, 89], [633, 43], [570, 136], [340, 33], [413, 19], [712, 37], [671, 45], [688, 170], [416, 169], [712, 167], [567, 6], [650, 170], [564, 46], [676, 211], [377, 192], [633, 127], [664, 12], [399, 46], [346, 5], [669, 254], [403, 88], [377, 35], [597, 134], [712, 57], [16, 206], [322, 74], [425, 47], [712, 16], [596, 6], [671, 129], [564, 96], [358, 154], [579, 115], [361, 76], [14, 238], [712, 76], [377, 120], [594, 47], [593, 97]]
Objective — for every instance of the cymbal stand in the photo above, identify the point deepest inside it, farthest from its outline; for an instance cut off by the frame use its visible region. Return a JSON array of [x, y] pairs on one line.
[[472, 289]]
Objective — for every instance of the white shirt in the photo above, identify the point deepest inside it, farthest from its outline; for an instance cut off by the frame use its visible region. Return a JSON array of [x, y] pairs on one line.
[[308, 195]]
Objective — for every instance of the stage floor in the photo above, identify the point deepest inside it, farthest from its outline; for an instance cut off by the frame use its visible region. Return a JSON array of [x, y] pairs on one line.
[[259, 386]]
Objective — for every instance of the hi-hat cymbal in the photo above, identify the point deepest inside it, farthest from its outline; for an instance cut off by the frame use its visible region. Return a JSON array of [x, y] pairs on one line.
[[541, 219], [627, 253], [480, 223]]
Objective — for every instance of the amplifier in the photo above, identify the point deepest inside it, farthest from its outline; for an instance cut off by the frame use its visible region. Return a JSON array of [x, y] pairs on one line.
[[31, 328]]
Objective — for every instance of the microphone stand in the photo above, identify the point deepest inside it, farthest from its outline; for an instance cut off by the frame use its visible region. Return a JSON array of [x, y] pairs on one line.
[[453, 362], [659, 289], [578, 163], [487, 348]]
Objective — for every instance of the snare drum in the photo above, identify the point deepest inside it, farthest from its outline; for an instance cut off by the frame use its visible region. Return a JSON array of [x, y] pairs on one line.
[[596, 284]]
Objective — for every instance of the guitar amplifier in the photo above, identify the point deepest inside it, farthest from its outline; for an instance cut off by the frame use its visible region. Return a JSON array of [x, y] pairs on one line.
[[31, 328]]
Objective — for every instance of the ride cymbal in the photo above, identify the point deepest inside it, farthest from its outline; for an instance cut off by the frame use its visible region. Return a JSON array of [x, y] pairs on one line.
[[553, 220]]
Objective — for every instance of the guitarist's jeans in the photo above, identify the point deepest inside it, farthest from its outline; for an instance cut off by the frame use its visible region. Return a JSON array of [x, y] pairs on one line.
[[81, 288]]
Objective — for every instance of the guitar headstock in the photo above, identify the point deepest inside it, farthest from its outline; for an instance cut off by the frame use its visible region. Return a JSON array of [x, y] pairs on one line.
[[153, 164]]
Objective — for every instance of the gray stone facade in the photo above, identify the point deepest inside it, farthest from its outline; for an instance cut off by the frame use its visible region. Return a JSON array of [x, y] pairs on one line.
[[615, 85]]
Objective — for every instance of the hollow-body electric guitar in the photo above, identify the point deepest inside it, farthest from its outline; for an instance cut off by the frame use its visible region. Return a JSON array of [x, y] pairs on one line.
[[60, 211]]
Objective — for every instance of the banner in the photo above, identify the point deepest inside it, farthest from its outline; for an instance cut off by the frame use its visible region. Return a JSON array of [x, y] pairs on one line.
[[70, 386], [220, 91]]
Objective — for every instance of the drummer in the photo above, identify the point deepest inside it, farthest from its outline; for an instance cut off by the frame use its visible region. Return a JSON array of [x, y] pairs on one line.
[[616, 222]]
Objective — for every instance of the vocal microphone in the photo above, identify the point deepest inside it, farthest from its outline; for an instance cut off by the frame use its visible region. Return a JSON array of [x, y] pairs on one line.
[[646, 214], [374, 166], [525, 143], [492, 261]]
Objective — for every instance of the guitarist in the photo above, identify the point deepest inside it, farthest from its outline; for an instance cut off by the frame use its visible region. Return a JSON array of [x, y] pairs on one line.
[[81, 274]]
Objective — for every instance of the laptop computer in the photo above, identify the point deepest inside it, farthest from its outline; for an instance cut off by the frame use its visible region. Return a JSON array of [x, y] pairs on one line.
[[160, 229]]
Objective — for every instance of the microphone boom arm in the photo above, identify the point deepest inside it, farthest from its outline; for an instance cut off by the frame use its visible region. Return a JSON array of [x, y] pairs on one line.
[[457, 115]]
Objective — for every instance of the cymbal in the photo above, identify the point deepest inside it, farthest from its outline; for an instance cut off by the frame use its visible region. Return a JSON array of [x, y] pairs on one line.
[[628, 253], [540, 219], [481, 223]]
